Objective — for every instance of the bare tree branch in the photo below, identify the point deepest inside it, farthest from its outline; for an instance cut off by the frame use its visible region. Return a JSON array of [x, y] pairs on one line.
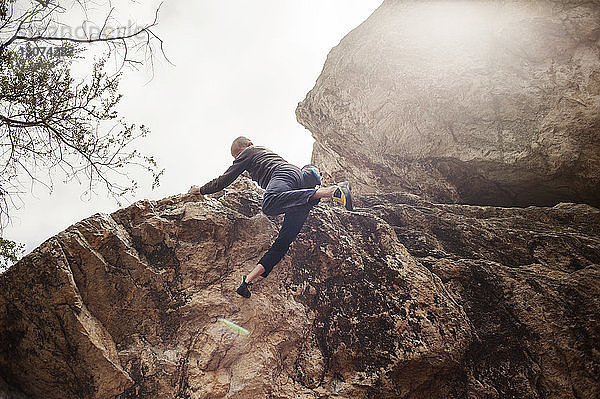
[[51, 122]]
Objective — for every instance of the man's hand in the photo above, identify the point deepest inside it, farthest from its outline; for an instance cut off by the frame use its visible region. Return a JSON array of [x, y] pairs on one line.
[[195, 190]]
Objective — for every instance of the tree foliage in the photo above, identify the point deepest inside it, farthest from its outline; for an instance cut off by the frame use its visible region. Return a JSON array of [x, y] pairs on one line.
[[53, 123], [10, 252]]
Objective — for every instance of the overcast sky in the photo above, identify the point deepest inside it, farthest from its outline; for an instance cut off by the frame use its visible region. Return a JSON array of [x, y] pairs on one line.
[[241, 67]]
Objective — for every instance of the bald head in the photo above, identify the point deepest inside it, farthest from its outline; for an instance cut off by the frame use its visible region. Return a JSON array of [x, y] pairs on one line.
[[239, 145]]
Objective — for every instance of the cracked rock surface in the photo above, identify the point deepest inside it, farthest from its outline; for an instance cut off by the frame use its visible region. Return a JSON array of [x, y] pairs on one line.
[[402, 298]]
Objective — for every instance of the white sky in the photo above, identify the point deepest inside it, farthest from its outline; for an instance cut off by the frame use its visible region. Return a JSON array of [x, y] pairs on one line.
[[241, 69]]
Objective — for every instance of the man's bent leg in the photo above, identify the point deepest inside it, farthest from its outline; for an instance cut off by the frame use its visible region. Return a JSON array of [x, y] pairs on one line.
[[288, 189], [324, 192], [275, 203]]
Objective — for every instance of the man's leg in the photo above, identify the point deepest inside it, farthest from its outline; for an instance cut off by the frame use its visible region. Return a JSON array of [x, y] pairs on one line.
[[276, 203], [287, 190], [255, 273], [291, 226], [324, 192]]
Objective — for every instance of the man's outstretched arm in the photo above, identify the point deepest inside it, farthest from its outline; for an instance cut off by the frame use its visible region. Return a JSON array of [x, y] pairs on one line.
[[219, 183]]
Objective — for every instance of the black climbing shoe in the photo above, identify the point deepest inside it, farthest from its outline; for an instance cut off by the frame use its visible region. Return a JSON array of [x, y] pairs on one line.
[[243, 289], [342, 194]]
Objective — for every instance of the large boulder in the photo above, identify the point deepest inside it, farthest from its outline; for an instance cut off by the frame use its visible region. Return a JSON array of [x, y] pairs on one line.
[[401, 298], [482, 102]]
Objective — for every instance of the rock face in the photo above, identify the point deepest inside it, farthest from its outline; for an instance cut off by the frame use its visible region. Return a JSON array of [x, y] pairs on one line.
[[402, 298], [488, 102]]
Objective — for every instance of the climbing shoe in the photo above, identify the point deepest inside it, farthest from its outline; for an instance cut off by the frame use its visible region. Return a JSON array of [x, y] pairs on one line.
[[243, 288], [342, 194], [314, 172]]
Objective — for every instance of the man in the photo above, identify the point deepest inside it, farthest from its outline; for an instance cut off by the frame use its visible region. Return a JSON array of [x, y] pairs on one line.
[[289, 190]]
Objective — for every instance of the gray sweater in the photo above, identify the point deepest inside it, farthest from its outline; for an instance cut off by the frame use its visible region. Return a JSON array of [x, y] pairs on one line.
[[260, 162]]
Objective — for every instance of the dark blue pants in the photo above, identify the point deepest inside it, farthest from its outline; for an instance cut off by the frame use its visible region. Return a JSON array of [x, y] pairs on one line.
[[288, 192]]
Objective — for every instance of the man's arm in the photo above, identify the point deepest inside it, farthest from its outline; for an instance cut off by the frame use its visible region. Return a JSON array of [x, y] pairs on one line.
[[239, 165]]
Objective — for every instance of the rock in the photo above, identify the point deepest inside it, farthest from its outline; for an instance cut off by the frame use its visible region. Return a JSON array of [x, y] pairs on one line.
[[402, 298], [528, 280], [492, 103], [411, 295]]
